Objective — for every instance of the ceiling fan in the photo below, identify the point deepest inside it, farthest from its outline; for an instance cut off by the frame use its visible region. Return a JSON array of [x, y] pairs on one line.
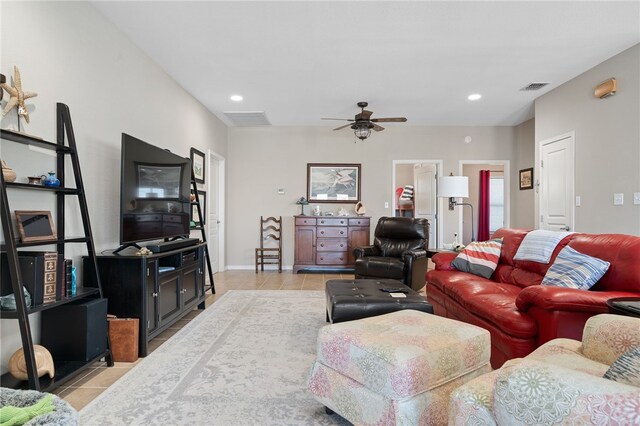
[[363, 123]]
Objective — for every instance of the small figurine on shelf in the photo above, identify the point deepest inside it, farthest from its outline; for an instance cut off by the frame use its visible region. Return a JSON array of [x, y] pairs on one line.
[[7, 173], [51, 180]]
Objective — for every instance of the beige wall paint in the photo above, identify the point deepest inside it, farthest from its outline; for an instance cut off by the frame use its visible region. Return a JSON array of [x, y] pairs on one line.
[[404, 175], [67, 52], [522, 202], [607, 141], [261, 160]]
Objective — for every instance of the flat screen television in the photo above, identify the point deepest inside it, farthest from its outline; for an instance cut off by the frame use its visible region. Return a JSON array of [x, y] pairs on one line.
[[154, 192]]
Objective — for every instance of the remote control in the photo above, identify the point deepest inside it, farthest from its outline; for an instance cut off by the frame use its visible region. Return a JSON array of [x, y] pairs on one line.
[[394, 290]]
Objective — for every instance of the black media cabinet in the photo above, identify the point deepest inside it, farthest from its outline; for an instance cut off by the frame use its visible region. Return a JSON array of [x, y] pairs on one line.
[[159, 289]]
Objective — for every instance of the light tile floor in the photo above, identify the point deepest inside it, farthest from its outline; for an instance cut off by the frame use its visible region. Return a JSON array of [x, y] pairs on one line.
[[93, 381]]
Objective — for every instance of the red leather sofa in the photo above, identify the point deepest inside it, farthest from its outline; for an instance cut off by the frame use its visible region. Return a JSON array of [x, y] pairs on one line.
[[520, 313]]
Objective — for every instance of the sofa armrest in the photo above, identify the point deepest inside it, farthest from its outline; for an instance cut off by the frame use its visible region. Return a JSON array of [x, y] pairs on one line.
[[606, 337], [553, 298], [366, 251], [534, 392], [415, 268], [442, 261]]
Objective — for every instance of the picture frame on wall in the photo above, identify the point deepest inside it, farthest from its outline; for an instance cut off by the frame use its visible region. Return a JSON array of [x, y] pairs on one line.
[[526, 178], [198, 164], [202, 196], [35, 225], [333, 183]]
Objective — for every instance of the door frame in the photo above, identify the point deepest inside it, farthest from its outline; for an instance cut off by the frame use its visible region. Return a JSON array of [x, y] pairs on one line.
[[440, 205], [571, 135], [506, 166], [220, 202]]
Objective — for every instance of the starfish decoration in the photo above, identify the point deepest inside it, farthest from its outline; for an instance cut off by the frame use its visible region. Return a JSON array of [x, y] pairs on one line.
[[17, 96]]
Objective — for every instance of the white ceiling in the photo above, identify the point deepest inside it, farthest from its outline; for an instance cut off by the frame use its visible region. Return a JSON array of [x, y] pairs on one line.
[[302, 60]]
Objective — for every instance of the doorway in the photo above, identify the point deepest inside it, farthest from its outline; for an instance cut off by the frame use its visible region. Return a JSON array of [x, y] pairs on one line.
[[419, 177], [498, 197], [215, 211], [556, 190]]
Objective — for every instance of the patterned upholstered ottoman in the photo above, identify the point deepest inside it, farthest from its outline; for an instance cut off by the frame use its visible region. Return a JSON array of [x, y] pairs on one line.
[[398, 368]]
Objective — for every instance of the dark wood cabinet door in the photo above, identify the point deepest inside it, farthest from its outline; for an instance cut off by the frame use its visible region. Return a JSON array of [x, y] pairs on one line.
[[191, 276], [169, 300], [151, 295], [305, 245], [358, 237]]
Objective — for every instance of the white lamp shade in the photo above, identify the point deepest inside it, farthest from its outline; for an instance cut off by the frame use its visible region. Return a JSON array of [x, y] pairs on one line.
[[453, 186]]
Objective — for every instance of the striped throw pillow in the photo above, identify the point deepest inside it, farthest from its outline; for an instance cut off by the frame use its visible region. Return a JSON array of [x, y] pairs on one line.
[[479, 258], [407, 192], [573, 269], [626, 369]]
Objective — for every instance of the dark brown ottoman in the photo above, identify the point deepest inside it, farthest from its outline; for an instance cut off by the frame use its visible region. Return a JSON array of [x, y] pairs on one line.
[[349, 300]]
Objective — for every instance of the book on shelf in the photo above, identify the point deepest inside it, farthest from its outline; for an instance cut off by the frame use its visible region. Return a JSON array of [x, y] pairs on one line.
[[50, 277]]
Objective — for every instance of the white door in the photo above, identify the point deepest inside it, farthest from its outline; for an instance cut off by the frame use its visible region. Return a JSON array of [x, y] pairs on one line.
[[556, 183], [213, 215], [425, 205]]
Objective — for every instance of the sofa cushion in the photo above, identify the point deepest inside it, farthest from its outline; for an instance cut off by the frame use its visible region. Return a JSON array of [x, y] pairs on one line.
[[626, 369], [479, 258], [573, 269]]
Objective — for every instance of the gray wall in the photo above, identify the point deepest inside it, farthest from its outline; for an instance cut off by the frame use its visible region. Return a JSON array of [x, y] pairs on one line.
[[607, 141], [261, 160], [67, 52]]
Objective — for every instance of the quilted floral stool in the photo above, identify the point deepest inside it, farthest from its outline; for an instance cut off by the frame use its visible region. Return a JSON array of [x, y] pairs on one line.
[[398, 368]]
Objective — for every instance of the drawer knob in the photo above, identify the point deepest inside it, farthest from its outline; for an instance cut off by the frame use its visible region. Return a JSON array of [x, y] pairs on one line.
[[322, 258], [340, 258], [322, 232], [341, 245], [341, 222], [341, 232], [322, 221], [154, 294], [321, 245]]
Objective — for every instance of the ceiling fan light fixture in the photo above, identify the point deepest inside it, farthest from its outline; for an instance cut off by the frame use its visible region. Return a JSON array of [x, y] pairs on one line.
[[362, 132]]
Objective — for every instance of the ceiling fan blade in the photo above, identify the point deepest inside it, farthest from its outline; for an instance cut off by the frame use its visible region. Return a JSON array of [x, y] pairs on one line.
[[340, 119], [364, 115], [377, 128], [389, 120], [342, 127]]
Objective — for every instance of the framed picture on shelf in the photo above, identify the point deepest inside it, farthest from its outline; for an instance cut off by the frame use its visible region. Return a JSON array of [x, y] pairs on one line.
[[202, 195], [333, 183], [526, 178], [197, 162], [35, 225]]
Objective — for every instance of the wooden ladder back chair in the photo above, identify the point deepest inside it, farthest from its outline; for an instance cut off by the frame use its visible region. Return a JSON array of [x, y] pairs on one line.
[[270, 233]]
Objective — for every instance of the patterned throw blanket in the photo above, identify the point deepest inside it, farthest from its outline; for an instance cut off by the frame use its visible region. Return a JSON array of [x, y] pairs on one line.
[[538, 245]]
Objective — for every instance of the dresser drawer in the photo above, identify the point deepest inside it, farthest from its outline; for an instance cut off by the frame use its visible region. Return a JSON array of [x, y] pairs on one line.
[[305, 220], [359, 222], [333, 221], [332, 244], [331, 231], [332, 258]]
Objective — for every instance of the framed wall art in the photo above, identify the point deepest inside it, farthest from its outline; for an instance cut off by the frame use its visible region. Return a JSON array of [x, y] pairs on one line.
[[197, 162], [333, 183], [35, 225], [202, 197], [526, 178]]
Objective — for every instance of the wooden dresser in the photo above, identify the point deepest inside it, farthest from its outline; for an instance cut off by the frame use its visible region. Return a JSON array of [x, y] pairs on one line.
[[327, 242]]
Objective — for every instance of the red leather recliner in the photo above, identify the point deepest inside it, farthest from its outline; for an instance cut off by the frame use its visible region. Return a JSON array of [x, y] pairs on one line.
[[520, 313]]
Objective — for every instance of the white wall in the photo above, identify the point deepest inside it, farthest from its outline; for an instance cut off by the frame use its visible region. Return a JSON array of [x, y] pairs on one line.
[[67, 52], [472, 171], [261, 160], [607, 141]]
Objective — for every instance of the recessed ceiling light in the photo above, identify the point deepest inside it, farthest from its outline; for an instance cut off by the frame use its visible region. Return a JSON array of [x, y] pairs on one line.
[[474, 97], [236, 98]]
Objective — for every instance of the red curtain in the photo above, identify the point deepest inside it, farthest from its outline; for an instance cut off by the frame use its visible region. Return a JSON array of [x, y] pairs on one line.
[[484, 206]]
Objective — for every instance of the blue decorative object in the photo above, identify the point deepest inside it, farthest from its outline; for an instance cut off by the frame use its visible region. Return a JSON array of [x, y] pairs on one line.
[[52, 180], [74, 289]]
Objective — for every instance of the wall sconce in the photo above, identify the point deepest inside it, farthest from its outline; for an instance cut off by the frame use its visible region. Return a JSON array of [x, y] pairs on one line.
[[606, 89], [453, 187]]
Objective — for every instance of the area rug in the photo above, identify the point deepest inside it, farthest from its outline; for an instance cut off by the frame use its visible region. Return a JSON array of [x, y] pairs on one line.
[[243, 361]]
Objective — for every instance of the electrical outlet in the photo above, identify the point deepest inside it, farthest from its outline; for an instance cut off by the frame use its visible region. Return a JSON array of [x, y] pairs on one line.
[[386, 204], [636, 198], [578, 201], [618, 199]]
